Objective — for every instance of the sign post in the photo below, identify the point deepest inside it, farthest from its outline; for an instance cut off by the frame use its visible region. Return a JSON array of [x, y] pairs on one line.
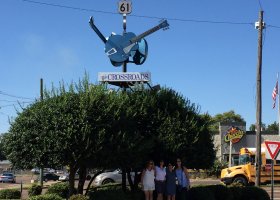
[[273, 148]]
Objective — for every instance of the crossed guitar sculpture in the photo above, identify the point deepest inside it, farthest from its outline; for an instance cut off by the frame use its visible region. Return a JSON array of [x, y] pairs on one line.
[[119, 48]]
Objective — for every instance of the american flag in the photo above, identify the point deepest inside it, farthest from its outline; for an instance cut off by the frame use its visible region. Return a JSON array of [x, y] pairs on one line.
[[274, 94]]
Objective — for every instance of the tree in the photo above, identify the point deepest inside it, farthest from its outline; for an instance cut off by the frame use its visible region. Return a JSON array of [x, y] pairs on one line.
[[229, 116], [79, 126], [67, 128], [253, 127], [2, 154], [274, 127]]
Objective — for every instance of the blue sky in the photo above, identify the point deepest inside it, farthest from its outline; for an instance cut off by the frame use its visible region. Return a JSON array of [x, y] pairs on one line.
[[212, 64]]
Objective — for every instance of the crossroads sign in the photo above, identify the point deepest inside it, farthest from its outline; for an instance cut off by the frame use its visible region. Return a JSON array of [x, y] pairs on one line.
[[124, 77]]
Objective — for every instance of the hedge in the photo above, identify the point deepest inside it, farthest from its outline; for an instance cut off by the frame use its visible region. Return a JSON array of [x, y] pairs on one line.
[[201, 192], [46, 197], [10, 194], [34, 190]]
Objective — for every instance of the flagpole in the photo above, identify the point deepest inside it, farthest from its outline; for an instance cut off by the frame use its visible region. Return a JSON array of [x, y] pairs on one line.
[[278, 106]]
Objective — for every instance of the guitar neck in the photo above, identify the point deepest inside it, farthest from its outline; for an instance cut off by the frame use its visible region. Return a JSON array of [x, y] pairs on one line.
[[142, 35]]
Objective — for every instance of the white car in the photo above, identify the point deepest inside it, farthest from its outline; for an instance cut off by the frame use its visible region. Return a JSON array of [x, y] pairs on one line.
[[110, 176], [64, 177]]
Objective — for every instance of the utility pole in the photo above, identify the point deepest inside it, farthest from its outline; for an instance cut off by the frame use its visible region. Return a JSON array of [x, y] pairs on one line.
[[259, 26], [41, 98]]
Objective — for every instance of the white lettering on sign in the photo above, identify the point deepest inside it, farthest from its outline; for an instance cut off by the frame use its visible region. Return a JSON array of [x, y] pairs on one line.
[[124, 76]]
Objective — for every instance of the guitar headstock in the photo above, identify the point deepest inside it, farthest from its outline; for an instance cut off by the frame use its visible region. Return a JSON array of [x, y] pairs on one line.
[[164, 24]]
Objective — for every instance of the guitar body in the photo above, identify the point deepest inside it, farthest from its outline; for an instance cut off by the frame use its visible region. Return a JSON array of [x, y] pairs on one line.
[[118, 47]]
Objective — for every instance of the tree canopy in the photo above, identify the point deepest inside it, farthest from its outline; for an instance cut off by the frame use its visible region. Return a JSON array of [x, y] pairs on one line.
[[89, 126]]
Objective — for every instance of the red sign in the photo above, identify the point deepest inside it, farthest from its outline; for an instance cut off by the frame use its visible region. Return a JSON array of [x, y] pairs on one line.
[[272, 148], [233, 134]]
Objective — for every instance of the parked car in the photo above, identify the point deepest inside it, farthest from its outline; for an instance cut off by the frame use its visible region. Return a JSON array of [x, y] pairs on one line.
[[8, 177], [35, 170], [109, 176], [50, 177], [64, 177]]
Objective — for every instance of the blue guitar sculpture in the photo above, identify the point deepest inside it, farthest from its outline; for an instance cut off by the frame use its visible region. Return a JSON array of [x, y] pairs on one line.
[[119, 47]]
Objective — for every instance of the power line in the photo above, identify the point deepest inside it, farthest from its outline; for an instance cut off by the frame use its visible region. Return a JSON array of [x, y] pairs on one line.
[[272, 26], [260, 4], [141, 16], [14, 96]]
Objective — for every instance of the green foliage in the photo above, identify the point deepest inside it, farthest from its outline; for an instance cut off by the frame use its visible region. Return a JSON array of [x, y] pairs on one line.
[[46, 197], [10, 194], [217, 168], [229, 116], [221, 192], [76, 126], [78, 197], [60, 189], [274, 127], [116, 193], [34, 190], [254, 193]]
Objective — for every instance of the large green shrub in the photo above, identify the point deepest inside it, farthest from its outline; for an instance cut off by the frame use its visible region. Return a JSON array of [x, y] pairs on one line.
[[114, 192], [61, 189], [10, 194], [34, 190], [254, 193], [221, 192], [78, 197], [46, 197], [202, 193]]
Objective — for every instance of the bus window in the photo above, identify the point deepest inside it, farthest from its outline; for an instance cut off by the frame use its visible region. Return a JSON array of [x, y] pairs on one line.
[[277, 162], [244, 159], [252, 159]]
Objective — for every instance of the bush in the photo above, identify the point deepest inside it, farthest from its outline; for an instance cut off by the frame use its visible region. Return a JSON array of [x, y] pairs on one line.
[[201, 193], [10, 194], [114, 191], [254, 193], [221, 192], [61, 189], [78, 197], [217, 168], [46, 197], [34, 190]]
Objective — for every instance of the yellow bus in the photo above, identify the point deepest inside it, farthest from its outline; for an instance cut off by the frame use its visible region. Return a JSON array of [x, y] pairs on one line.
[[245, 171]]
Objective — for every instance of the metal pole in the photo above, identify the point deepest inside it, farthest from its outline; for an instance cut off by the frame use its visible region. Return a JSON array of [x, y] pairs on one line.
[[41, 98], [259, 102], [230, 151], [278, 104], [272, 179], [124, 32]]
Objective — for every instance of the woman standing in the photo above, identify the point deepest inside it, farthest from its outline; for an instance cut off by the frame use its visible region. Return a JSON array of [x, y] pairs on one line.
[[148, 180], [170, 182], [160, 180], [183, 181]]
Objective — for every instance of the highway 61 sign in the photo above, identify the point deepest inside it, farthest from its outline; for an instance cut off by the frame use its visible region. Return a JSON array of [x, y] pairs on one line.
[[125, 7]]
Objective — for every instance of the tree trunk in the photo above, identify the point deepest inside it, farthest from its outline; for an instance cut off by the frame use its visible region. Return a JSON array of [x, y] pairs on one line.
[[137, 179], [82, 179], [72, 172], [132, 186], [91, 180], [123, 179]]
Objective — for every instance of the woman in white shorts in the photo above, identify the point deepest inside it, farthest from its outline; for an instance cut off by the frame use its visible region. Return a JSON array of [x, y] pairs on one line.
[[148, 180]]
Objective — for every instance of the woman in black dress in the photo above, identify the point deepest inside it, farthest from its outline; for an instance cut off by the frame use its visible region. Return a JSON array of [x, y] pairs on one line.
[[170, 182]]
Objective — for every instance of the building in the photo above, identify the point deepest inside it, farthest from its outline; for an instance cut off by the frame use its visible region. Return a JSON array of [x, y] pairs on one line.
[[236, 132]]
